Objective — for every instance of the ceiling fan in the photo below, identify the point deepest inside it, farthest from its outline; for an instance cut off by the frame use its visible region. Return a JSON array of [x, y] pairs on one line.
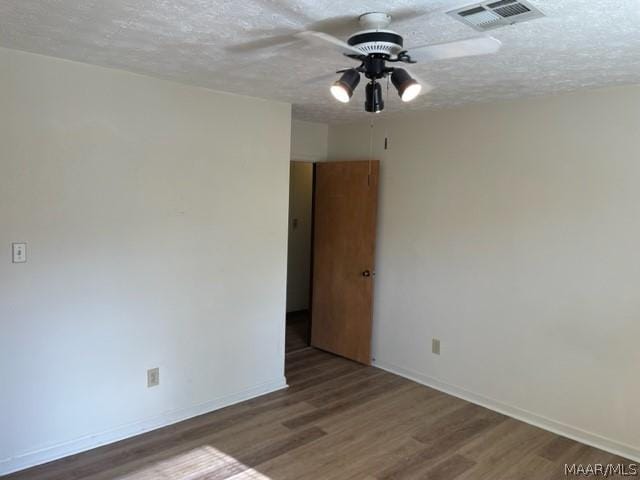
[[376, 46]]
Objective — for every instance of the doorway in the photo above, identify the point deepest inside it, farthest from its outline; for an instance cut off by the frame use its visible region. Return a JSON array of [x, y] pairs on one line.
[[330, 268], [299, 255]]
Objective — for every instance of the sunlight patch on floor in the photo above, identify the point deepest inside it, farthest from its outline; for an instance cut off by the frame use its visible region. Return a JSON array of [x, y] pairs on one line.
[[250, 474], [202, 462]]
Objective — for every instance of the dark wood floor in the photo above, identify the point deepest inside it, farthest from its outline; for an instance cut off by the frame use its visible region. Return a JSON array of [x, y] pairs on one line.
[[338, 420]]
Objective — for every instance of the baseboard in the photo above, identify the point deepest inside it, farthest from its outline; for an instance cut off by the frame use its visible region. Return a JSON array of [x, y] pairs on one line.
[[534, 419], [55, 452]]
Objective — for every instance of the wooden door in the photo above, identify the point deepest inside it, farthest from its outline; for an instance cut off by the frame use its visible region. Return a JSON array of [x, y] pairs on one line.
[[346, 195]]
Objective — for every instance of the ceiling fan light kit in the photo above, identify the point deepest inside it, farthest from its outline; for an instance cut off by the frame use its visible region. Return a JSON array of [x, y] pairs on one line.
[[374, 102], [376, 46], [407, 87], [342, 89]]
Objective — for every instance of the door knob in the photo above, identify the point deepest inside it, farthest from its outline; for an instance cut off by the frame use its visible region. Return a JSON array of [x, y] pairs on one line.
[[366, 273]]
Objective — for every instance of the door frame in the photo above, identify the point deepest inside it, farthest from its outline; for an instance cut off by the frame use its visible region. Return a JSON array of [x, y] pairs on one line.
[[313, 250], [311, 256]]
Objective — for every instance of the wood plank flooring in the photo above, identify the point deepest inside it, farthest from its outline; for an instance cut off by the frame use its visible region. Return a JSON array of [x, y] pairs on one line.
[[338, 420]]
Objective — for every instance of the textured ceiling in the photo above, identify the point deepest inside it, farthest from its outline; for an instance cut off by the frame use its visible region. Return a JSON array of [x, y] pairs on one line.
[[243, 46]]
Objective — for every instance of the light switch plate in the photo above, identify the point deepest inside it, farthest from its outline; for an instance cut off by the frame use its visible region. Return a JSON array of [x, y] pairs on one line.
[[19, 252]]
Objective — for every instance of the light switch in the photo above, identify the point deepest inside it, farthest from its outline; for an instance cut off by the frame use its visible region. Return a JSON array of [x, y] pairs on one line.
[[19, 251]]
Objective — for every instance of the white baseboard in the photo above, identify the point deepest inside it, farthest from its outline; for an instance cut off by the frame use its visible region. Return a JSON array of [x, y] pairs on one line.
[[534, 419], [54, 452]]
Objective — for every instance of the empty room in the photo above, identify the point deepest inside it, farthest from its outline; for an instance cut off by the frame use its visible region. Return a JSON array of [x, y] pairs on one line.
[[295, 239]]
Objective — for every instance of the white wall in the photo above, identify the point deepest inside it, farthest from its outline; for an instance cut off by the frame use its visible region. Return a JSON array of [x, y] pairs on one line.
[[299, 244], [511, 233], [156, 222], [309, 141]]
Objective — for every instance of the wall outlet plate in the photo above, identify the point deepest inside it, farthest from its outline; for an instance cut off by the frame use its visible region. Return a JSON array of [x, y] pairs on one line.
[[435, 346], [153, 377]]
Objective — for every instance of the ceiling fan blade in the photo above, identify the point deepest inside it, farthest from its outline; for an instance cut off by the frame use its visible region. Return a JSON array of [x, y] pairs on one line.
[[341, 26], [262, 43], [461, 48], [402, 14], [317, 37], [326, 78]]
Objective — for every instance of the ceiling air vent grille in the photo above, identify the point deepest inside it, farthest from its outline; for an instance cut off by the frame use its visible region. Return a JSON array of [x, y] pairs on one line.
[[490, 15]]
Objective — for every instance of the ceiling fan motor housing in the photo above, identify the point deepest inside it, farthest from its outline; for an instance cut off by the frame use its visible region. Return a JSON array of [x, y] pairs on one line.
[[382, 42]]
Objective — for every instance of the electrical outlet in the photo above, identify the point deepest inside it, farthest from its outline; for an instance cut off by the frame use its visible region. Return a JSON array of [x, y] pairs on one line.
[[435, 346], [153, 377]]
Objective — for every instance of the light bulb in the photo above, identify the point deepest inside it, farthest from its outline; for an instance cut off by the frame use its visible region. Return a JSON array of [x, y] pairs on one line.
[[411, 92], [340, 93]]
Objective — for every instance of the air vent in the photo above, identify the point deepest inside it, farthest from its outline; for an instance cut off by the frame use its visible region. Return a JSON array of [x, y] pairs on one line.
[[490, 15]]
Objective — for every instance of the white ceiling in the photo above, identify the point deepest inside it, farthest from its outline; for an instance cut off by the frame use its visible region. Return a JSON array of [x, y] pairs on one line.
[[581, 44]]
